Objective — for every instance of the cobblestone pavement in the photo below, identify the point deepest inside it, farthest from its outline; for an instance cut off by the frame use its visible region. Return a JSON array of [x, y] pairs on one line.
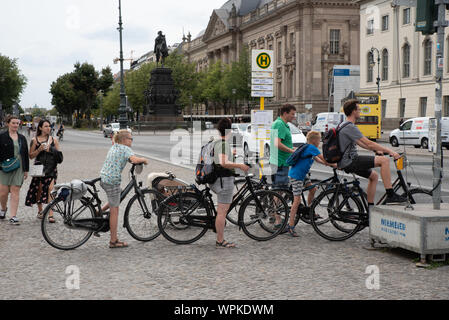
[[308, 267]]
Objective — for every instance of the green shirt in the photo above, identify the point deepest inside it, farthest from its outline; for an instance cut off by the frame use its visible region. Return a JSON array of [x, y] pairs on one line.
[[281, 130]]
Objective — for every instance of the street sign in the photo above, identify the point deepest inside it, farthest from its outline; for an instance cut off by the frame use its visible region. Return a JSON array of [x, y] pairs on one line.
[[262, 75], [265, 94], [262, 60], [262, 87], [264, 81]]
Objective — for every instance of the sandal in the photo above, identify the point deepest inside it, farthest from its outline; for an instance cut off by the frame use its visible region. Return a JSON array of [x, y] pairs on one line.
[[51, 220], [225, 244], [40, 216], [117, 244], [292, 232]]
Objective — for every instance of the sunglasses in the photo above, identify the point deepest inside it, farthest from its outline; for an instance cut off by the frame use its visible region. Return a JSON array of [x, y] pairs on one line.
[[132, 139]]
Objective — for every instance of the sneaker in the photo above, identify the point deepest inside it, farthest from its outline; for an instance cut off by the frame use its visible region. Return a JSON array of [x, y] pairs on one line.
[[14, 221], [2, 214], [395, 199]]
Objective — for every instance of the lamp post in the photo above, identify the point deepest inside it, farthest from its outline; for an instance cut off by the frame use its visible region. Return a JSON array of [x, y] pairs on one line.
[[234, 91], [191, 110], [123, 117], [101, 109], [372, 63]]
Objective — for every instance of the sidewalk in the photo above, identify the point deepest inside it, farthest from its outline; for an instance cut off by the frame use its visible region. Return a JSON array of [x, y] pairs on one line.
[[308, 267]]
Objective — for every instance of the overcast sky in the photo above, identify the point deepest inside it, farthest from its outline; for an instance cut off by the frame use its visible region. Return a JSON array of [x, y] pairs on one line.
[[49, 36]]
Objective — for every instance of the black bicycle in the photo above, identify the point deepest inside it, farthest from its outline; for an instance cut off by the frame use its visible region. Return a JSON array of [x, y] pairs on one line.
[[78, 219], [345, 205], [185, 217]]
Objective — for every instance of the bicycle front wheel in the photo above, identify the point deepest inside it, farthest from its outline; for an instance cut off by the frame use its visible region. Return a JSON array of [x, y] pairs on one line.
[[264, 215], [62, 234], [141, 215], [183, 218], [343, 212], [418, 196], [233, 215]]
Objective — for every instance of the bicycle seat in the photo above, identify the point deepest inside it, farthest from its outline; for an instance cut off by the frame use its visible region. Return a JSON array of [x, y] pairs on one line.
[[92, 182]]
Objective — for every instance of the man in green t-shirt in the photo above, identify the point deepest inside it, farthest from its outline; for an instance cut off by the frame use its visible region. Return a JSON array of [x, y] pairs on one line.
[[281, 146]]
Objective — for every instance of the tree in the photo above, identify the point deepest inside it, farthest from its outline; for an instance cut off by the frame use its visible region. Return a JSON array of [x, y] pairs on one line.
[[136, 82], [12, 83]]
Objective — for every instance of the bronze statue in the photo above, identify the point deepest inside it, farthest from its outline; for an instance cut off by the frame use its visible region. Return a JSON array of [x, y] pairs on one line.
[[160, 48]]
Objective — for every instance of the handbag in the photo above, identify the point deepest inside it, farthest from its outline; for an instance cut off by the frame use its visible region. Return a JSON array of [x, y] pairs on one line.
[[37, 170], [10, 165]]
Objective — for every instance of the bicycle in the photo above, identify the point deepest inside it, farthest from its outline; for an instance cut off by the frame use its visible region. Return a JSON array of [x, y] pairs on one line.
[[346, 206], [193, 213], [78, 219]]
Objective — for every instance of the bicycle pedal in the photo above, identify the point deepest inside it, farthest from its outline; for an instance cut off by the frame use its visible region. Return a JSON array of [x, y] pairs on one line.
[[96, 234]]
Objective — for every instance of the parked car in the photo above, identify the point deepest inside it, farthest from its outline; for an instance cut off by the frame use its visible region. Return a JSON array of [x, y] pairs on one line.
[[238, 129], [209, 125], [416, 132], [327, 120], [250, 143], [112, 128]]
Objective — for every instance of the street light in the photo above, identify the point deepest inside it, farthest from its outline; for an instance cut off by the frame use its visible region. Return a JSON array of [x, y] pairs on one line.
[[191, 110], [372, 63], [234, 91], [123, 117], [101, 109]]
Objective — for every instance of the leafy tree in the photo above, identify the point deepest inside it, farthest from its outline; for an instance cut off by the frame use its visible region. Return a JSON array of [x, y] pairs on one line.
[[136, 82], [12, 83]]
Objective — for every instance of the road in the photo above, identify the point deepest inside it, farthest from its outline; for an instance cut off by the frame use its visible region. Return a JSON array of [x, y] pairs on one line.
[[176, 149]]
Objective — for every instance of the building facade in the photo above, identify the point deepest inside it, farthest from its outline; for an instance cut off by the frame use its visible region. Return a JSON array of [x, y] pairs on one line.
[[407, 61], [308, 38]]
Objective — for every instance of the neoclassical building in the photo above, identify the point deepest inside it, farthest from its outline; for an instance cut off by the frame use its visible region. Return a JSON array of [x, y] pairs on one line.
[[308, 37]]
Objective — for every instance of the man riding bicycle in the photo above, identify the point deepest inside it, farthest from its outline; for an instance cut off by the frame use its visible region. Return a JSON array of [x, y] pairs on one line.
[[349, 137]]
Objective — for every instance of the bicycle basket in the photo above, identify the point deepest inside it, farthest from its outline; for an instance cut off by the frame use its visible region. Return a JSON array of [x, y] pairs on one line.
[[167, 184]]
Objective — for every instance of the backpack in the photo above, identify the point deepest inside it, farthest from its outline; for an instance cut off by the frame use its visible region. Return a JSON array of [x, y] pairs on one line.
[[297, 155], [331, 145], [205, 168]]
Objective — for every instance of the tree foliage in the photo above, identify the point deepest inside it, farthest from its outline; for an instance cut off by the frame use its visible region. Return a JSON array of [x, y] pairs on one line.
[[12, 83]]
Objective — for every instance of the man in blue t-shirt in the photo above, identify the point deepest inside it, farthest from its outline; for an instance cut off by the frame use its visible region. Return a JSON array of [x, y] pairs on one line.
[[299, 171]]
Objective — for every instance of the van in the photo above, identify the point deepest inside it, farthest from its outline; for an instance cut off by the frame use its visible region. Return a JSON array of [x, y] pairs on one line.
[[413, 132], [445, 132], [327, 120]]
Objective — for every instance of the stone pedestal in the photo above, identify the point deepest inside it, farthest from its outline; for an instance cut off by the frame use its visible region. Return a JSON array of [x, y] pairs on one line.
[[161, 97]]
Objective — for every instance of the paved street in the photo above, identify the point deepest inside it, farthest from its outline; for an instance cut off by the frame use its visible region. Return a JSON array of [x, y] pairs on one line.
[[308, 267]]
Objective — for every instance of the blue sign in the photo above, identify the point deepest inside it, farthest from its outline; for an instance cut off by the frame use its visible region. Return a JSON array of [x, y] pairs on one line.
[[341, 72]]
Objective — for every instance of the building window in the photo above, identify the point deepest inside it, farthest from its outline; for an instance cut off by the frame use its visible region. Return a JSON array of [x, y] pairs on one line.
[[279, 90], [406, 16], [446, 106], [370, 67], [335, 41], [427, 57], [385, 23], [422, 107], [370, 27], [384, 108], [292, 43], [406, 61], [385, 65], [402, 108]]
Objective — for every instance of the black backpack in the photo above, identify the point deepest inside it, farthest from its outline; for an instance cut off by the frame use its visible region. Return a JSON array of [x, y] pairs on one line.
[[331, 145], [205, 168]]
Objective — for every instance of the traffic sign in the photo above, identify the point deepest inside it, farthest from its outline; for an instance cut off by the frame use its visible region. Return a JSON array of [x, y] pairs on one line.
[[262, 74], [262, 60], [265, 94], [263, 81]]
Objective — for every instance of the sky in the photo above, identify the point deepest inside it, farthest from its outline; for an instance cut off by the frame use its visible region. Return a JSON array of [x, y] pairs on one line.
[[49, 36]]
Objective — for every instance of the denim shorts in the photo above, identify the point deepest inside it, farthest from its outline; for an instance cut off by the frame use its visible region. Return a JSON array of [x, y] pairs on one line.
[[280, 177]]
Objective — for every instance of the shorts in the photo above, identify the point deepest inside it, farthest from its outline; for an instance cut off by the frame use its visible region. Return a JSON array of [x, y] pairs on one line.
[[113, 193], [225, 192], [298, 186], [280, 176], [361, 166]]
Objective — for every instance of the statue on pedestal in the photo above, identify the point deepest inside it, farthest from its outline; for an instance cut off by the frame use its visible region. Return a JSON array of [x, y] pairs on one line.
[[160, 48]]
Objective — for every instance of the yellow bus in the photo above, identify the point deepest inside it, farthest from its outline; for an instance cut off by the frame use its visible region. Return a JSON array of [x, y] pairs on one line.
[[370, 122]]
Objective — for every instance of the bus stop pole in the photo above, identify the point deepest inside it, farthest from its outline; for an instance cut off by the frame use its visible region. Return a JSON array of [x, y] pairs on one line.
[[441, 24], [261, 142]]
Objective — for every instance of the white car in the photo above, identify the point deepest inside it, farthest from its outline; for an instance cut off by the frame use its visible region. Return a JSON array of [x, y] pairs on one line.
[[112, 128], [323, 122], [250, 145], [415, 132], [238, 129]]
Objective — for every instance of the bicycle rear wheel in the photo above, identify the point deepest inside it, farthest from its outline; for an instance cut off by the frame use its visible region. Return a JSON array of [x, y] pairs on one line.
[[183, 218], [344, 214], [62, 234], [140, 223], [256, 221]]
